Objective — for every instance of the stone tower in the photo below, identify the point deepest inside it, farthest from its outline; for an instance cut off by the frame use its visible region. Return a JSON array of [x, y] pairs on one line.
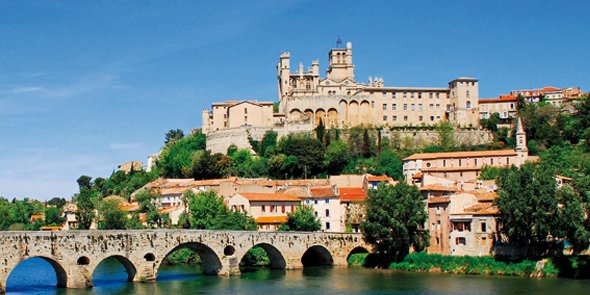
[[341, 67], [464, 99], [522, 152]]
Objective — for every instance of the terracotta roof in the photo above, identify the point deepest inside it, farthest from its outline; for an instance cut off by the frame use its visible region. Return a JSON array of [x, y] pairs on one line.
[[129, 207], [438, 200], [379, 178], [469, 154], [50, 228], [484, 196], [300, 192], [564, 177], [352, 194], [477, 207], [502, 98], [168, 209], [272, 219], [493, 210], [234, 102], [438, 188], [417, 175], [35, 217], [322, 192], [269, 197]]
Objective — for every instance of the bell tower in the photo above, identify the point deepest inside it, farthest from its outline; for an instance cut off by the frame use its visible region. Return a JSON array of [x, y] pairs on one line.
[[341, 67], [521, 149]]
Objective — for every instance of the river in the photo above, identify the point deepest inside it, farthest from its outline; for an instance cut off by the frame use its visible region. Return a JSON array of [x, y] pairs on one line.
[[35, 276]]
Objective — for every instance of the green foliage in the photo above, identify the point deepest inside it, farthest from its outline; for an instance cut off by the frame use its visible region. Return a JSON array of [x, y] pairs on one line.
[[57, 202], [134, 222], [182, 256], [147, 200], [528, 206], [124, 184], [110, 216], [256, 257], [490, 172], [357, 259], [302, 219], [337, 157], [208, 166], [309, 152], [207, 211], [173, 135], [491, 123], [86, 200], [176, 158], [446, 136], [395, 216], [572, 220], [54, 216]]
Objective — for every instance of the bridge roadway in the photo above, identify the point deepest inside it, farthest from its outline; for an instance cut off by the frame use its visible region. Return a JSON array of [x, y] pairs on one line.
[[74, 255]]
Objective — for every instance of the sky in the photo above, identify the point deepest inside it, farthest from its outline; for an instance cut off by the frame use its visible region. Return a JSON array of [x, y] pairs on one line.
[[88, 85]]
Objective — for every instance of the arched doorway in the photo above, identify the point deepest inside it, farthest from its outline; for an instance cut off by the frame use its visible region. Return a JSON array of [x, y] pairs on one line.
[[353, 113], [295, 115], [36, 274], [320, 114], [115, 269], [317, 256], [364, 113]]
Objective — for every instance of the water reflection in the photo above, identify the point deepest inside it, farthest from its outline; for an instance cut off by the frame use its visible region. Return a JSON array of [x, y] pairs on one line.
[[36, 276]]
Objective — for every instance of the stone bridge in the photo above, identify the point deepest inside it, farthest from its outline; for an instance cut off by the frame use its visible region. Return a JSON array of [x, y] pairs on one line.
[[74, 255]]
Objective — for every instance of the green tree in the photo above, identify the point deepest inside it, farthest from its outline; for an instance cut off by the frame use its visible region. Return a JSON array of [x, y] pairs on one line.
[[84, 181], [176, 158], [394, 221], [320, 132], [207, 211], [110, 216], [302, 219], [85, 202], [446, 136], [209, 166], [57, 202], [173, 135], [147, 200], [309, 152], [572, 221], [54, 216], [337, 157], [528, 206]]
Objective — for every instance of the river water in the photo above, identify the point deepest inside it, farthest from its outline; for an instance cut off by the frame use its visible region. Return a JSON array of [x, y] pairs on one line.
[[35, 276]]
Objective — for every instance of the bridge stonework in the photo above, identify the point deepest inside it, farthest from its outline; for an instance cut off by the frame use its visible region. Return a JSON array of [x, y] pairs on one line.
[[74, 255]]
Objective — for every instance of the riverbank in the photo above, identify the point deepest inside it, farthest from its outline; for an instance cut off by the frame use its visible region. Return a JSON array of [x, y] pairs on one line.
[[565, 266]]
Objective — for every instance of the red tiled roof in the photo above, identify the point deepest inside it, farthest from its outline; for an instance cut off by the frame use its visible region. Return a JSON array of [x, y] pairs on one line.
[[379, 178], [438, 200], [493, 210], [438, 188], [269, 197], [352, 194], [470, 154], [322, 192], [272, 219]]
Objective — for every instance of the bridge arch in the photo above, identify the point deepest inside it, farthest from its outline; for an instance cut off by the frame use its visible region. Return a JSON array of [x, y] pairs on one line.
[[60, 272], [277, 260], [129, 266], [211, 262], [356, 250], [317, 255]]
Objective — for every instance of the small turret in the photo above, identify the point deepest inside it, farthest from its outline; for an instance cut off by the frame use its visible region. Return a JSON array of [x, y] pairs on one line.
[[521, 149]]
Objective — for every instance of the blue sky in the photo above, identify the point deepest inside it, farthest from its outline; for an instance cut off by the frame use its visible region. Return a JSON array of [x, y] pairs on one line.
[[87, 85]]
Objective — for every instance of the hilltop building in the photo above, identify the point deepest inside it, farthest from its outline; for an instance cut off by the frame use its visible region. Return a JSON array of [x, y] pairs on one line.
[[464, 166], [338, 100]]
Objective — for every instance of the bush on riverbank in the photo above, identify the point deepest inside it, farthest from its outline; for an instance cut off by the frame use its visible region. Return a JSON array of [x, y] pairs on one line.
[[182, 256], [255, 257], [422, 261]]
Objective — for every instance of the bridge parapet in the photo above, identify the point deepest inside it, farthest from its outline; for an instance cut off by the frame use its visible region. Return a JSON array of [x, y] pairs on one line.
[[74, 255]]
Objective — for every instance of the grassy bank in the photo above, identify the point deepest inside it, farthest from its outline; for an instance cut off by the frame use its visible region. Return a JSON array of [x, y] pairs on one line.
[[567, 266]]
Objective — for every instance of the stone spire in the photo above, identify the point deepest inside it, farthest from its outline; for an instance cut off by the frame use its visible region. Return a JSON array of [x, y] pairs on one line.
[[519, 129], [522, 152]]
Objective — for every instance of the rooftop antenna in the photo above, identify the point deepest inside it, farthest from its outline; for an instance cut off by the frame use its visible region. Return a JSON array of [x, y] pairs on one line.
[[338, 43]]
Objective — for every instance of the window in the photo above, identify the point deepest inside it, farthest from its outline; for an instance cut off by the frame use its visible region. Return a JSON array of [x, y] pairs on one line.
[[438, 211], [394, 106], [315, 202], [327, 212], [412, 95], [467, 93], [327, 225], [438, 95], [413, 107], [460, 241], [432, 106], [483, 227], [283, 208], [394, 118], [431, 118], [405, 94], [245, 110], [385, 107], [327, 201], [384, 118], [246, 118], [468, 105], [272, 208], [315, 214], [437, 241], [460, 161], [430, 95], [475, 162], [420, 95], [384, 94], [405, 118], [420, 118], [444, 163], [292, 208], [420, 106], [405, 106], [263, 208], [437, 106], [492, 161], [373, 104], [507, 161]]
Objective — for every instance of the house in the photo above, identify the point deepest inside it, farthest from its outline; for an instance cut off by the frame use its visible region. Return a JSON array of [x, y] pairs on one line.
[[352, 200], [130, 166], [325, 202], [268, 209]]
